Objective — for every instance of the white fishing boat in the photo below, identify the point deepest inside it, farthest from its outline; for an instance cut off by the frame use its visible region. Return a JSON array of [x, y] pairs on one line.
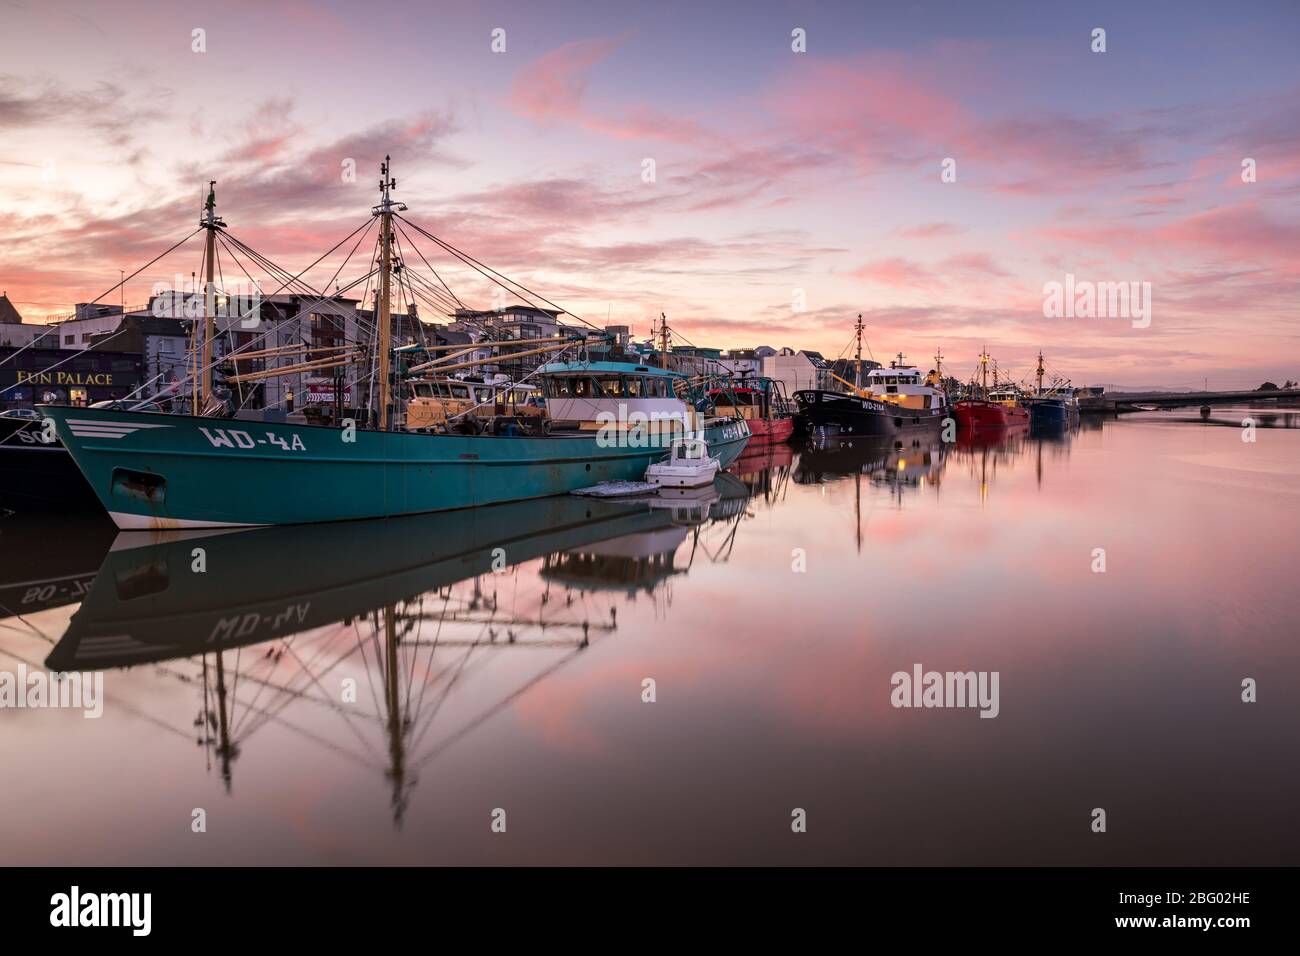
[[689, 465]]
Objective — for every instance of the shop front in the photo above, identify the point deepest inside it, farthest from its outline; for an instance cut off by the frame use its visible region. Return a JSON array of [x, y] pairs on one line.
[[65, 376]]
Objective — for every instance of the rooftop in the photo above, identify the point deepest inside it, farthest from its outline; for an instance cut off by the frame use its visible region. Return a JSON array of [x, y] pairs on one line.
[[625, 368], [8, 314]]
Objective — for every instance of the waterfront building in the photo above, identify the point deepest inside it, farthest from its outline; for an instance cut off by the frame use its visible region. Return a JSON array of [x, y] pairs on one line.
[[797, 370], [32, 376], [14, 332], [743, 363]]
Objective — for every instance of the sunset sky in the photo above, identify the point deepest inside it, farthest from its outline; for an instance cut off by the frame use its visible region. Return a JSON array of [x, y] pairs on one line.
[[777, 173]]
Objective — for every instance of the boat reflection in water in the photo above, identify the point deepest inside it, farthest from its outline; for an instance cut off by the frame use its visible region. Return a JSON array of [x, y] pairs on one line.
[[48, 561], [985, 450], [409, 609], [910, 462], [765, 470]]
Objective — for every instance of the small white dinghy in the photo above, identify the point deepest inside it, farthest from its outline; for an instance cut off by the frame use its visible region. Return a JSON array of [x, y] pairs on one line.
[[689, 465]]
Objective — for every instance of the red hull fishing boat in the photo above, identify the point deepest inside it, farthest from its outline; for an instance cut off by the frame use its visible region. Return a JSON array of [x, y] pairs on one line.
[[763, 404], [991, 414], [998, 408]]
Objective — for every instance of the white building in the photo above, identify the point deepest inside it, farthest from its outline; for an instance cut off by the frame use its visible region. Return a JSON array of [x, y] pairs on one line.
[[798, 370]]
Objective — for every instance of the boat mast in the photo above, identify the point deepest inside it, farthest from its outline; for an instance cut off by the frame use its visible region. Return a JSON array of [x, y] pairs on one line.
[[857, 362], [1040, 373], [385, 211], [984, 373], [663, 337], [210, 222]]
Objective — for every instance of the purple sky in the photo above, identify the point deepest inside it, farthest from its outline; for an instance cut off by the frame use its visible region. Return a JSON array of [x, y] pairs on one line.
[[780, 177]]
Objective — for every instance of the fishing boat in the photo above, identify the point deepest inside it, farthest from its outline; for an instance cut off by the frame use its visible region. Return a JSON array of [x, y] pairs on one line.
[[762, 403], [36, 472], [888, 401], [998, 407], [197, 471], [1052, 407]]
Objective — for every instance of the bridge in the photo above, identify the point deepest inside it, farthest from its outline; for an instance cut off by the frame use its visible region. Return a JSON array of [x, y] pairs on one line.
[[1122, 402]]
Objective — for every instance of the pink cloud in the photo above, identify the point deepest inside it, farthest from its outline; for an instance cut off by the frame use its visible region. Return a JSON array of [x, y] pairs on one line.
[[980, 262], [553, 89], [552, 86], [895, 272], [931, 230]]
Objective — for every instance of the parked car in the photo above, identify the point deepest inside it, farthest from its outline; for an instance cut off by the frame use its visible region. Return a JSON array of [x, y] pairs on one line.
[[24, 413]]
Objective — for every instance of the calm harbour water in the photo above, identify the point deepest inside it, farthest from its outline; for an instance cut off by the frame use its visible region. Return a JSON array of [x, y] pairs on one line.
[[522, 689]]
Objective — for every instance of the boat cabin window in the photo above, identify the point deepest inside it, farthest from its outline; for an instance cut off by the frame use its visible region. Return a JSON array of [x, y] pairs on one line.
[[570, 386], [606, 386], [609, 386]]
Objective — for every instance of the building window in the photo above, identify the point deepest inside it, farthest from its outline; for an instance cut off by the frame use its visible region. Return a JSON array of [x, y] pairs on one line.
[[69, 340], [326, 332]]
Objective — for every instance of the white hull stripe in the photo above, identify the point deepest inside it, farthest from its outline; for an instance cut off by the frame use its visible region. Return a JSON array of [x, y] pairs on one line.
[[93, 428], [102, 423], [130, 522]]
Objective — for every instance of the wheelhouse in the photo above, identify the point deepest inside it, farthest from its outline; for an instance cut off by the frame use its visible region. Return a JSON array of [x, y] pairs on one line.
[[620, 395], [752, 398], [606, 384], [905, 386], [437, 403]]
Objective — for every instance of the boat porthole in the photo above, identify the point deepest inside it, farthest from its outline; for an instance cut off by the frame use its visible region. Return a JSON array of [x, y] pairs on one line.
[[589, 466]]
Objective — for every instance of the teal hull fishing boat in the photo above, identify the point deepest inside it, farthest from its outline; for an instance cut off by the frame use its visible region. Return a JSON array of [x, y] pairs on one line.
[[156, 471], [603, 421]]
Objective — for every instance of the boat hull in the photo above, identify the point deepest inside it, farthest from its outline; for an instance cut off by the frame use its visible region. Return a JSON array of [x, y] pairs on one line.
[[36, 476], [1048, 413], [839, 414], [169, 471], [977, 414], [765, 430]]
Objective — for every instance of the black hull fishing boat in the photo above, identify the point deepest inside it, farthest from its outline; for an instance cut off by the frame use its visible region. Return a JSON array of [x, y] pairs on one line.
[[1053, 408], [890, 401], [37, 473], [839, 414]]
